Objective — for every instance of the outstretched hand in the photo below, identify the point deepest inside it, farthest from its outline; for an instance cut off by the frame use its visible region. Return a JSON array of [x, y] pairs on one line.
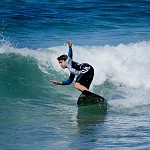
[[56, 82], [69, 43]]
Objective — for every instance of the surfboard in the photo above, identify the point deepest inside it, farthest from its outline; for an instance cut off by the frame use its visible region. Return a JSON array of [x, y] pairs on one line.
[[89, 98]]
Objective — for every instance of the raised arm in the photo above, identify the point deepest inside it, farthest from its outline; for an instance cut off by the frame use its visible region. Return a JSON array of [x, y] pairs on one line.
[[70, 53]]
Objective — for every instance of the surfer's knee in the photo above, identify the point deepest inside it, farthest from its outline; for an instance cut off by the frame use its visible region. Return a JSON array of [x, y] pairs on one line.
[[76, 85], [80, 87]]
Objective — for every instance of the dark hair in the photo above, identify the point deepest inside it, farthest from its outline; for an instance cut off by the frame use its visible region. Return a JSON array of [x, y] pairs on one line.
[[62, 57]]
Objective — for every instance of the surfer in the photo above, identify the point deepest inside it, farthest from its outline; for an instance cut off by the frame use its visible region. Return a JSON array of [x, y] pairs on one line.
[[84, 72]]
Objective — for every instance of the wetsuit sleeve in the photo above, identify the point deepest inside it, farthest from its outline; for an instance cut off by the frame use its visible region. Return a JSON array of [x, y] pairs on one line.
[[69, 81], [70, 53]]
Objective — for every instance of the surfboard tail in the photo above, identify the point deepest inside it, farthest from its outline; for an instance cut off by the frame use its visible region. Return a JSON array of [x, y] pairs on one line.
[[89, 98]]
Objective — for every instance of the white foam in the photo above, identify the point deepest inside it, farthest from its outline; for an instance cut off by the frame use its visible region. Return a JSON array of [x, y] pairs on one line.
[[134, 98], [127, 64]]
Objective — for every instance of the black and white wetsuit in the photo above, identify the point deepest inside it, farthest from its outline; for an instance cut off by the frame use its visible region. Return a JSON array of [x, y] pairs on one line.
[[84, 72]]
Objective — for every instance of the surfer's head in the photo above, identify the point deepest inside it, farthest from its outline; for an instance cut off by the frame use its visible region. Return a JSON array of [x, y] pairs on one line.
[[62, 61]]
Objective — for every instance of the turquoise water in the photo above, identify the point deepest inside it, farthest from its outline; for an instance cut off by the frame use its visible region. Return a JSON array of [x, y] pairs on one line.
[[113, 36]]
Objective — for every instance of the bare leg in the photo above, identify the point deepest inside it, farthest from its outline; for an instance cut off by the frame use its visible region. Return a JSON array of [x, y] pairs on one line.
[[80, 87]]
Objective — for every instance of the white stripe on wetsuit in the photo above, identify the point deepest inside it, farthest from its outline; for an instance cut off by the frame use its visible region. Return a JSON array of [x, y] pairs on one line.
[[70, 68]]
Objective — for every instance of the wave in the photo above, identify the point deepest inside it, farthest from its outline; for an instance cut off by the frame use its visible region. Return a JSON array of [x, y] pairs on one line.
[[126, 64], [27, 72]]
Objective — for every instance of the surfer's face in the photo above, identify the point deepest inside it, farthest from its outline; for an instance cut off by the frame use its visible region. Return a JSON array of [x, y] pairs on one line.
[[62, 63]]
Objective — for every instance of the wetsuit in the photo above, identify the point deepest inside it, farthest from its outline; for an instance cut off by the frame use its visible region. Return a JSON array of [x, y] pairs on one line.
[[84, 72]]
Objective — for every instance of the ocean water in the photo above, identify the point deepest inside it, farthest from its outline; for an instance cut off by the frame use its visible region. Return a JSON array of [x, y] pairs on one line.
[[113, 36]]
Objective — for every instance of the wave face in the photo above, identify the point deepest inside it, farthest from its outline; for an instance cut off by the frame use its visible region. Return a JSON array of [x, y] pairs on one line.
[[120, 71]]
